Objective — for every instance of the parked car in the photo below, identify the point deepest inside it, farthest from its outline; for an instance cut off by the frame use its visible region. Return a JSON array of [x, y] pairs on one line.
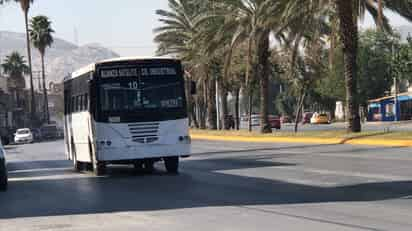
[[23, 136], [274, 121], [320, 119], [49, 131], [6, 135], [3, 169], [306, 117], [285, 119], [60, 133], [229, 122], [255, 120], [36, 134]]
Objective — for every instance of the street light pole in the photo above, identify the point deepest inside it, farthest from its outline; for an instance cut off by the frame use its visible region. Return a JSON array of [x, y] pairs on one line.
[[396, 98]]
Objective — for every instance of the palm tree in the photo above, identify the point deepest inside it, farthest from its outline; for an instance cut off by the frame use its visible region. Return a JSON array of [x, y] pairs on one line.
[[25, 6], [41, 37], [251, 22], [15, 67], [178, 37], [348, 12]]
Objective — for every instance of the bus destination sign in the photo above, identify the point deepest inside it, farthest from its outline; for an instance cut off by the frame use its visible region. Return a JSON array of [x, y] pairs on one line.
[[137, 72]]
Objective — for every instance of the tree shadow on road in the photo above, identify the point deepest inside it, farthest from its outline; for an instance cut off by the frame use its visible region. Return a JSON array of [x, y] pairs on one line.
[[201, 184]]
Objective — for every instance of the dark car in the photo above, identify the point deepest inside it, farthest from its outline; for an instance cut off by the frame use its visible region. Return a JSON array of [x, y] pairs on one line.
[[229, 122], [306, 117], [36, 134], [49, 131]]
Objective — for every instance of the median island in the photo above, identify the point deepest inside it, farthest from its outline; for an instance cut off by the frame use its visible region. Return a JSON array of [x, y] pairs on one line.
[[373, 138]]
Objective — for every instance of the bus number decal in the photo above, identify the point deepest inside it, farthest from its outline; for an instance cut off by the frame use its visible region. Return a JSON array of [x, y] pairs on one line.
[[133, 85]]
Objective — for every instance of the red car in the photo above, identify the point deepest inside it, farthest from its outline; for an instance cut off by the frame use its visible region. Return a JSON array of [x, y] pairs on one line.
[[285, 119], [274, 122]]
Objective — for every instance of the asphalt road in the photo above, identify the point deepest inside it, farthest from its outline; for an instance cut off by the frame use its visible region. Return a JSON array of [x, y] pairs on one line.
[[224, 186]]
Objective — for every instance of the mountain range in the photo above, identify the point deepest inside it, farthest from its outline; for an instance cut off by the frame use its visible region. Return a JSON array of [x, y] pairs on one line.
[[61, 58]]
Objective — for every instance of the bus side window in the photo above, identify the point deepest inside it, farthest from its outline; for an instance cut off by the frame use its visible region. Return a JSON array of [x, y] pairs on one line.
[[86, 102], [78, 103], [73, 105], [81, 103]]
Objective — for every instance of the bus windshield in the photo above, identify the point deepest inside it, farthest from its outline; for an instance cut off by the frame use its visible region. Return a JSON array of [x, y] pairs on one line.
[[141, 94]]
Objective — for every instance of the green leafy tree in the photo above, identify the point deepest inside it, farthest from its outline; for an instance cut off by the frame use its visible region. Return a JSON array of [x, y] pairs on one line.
[[348, 12], [374, 59], [402, 60], [41, 36]]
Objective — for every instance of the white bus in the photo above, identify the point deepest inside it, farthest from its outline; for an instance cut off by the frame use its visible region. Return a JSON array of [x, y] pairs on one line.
[[126, 111]]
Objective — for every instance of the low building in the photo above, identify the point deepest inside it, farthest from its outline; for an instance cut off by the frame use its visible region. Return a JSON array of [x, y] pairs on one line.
[[389, 109]]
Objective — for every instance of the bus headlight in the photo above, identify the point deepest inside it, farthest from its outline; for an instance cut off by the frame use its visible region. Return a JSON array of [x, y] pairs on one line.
[[185, 139]]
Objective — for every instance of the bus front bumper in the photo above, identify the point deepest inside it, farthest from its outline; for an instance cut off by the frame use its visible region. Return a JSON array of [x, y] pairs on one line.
[[132, 152]]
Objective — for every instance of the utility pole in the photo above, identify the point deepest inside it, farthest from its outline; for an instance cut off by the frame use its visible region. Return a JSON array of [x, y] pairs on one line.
[[395, 80]]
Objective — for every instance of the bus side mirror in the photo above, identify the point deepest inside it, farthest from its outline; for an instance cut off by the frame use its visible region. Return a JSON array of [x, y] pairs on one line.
[[193, 90]]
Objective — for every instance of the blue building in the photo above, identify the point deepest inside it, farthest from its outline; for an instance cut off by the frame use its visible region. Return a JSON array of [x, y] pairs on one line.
[[384, 109]]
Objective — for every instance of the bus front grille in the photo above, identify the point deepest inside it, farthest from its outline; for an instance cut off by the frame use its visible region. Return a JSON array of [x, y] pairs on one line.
[[144, 133]]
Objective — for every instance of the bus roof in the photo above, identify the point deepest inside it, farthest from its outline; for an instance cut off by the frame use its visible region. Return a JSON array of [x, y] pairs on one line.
[[91, 67]]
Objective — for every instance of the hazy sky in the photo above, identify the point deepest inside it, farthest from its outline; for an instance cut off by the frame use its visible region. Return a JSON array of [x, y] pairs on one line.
[[126, 27]]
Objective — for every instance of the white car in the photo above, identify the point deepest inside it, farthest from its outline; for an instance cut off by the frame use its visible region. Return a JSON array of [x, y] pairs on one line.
[[255, 120], [3, 169], [23, 136]]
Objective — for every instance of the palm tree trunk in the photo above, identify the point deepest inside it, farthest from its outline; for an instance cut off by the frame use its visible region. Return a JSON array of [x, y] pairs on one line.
[[263, 70], [250, 110], [380, 14], [237, 101], [33, 100], [249, 66], [349, 36], [46, 100], [224, 112], [299, 109], [211, 105]]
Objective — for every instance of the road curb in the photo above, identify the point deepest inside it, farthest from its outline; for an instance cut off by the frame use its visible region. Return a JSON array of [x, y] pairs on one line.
[[266, 139], [353, 141]]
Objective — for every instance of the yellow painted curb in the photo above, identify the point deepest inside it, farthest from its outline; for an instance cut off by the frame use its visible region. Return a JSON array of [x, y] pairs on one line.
[[355, 141], [267, 139], [380, 142]]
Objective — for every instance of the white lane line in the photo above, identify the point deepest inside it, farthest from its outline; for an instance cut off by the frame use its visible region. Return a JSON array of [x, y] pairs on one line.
[[350, 174], [50, 177], [40, 170]]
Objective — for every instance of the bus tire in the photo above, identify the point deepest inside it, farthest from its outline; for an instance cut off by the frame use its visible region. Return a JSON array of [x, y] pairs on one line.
[[138, 166], [3, 176], [172, 164], [99, 168], [148, 166], [76, 164]]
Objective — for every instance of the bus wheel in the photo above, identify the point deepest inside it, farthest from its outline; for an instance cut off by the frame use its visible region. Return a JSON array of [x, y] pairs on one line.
[[148, 165], [138, 166], [3, 176], [99, 168], [172, 164], [78, 166]]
